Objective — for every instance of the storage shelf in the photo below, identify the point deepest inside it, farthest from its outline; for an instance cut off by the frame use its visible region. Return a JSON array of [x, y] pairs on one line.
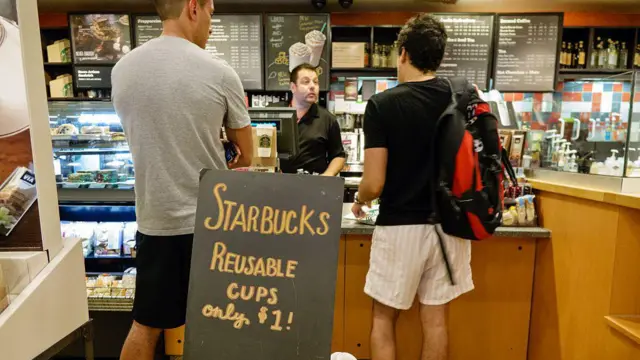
[[628, 325], [67, 64], [96, 196], [594, 71], [79, 99], [364, 72], [85, 151]]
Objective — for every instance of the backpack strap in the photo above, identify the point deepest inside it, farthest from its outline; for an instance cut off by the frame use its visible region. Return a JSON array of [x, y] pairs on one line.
[[508, 167]]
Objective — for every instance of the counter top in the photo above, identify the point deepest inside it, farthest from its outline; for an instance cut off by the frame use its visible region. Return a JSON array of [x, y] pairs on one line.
[[626, 200], [351, 227]]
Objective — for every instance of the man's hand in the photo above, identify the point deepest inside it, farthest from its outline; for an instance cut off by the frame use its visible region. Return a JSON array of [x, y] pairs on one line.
[[358, 211], [231, 164]]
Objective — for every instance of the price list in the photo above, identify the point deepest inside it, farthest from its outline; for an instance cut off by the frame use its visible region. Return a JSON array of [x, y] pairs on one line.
[[468, 51], [527, 55], [237, 39]]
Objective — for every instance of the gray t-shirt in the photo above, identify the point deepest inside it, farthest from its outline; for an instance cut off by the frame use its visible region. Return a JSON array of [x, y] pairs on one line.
[[173, 99]]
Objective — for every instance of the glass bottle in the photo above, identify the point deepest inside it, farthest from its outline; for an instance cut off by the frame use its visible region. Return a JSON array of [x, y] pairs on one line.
[[367, 59], [574, 58], [563, 56], [624, 57], [602, 56], [582, 56], [376, 56], [593, 61], [636, 60], [393, 55], [569, 56], [612, 61], [384, 57]]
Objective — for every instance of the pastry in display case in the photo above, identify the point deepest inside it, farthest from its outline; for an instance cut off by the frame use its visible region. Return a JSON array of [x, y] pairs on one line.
[[90, 149]]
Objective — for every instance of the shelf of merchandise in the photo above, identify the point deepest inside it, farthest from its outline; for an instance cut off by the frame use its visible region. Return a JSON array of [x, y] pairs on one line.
[[110, 304], [595, 74]]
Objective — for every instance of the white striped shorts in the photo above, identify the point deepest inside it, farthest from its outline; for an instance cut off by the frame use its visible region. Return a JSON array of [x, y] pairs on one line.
[[407, 260]]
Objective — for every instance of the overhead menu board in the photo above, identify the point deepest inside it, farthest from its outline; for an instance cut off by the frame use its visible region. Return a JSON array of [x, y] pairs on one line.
[[293, 40], [527, 52], [238, 40], [469, 48], [147, 28], [92, 77], [100, 38]]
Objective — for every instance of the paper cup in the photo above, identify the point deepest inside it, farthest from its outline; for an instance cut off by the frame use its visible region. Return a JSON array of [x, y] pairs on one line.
[[299, 54], [315, 40], [14, 113], [342, 356]]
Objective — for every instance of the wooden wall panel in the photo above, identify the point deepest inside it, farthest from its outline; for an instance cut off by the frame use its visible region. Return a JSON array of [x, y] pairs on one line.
[[490, 323], [625, 292], [358, 306], [574, 281], [337, 343]]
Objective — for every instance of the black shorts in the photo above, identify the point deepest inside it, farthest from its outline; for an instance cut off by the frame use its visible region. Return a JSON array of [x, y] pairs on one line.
[[162, 281]]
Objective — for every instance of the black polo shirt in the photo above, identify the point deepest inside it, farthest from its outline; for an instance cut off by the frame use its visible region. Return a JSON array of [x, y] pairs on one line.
[[320, 142]]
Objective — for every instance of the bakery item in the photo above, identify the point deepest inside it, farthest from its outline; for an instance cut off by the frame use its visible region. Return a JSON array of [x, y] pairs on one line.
[[80, 177], [67, 129], [94, 130], [107, 176]]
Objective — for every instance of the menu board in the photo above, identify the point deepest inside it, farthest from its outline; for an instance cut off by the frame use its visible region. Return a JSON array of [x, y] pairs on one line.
[[92, 77], [293, 40], [468, 53], [147, 28], [527, 52], [264, 266], [238, 40], [100, 38]]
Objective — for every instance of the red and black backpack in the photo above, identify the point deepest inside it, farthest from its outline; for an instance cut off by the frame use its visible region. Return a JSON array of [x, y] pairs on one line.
[[469, 164]]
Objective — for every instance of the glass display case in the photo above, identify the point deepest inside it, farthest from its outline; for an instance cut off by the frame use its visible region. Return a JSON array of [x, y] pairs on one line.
[[89, 146], [589, 125]]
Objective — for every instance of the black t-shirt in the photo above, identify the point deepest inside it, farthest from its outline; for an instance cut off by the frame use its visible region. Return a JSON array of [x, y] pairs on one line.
[[403, 120], [320, 142]]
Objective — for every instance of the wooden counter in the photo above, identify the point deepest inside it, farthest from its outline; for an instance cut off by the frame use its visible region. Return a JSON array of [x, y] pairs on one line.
[[489, 323], [587, 282]]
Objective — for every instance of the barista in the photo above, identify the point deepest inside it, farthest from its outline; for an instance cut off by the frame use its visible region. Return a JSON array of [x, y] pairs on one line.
[[321, 150]]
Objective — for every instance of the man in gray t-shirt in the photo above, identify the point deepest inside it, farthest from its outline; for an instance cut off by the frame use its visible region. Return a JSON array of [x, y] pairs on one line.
[[173, 99]]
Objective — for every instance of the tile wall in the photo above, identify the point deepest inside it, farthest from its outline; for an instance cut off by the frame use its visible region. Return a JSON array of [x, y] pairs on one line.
[[580, 100]]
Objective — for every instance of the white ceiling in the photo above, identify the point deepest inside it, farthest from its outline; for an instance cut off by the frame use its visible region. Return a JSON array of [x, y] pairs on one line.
[[629, 6]]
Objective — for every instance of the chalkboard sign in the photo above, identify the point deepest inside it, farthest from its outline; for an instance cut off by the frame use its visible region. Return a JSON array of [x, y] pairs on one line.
[[100, 38], [238, 40], [293, 40], [469, 48], [264, 266], [92, 77], [527, 52], [147, 28]]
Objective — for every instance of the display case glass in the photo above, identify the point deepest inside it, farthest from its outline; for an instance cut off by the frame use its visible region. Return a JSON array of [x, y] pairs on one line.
[[90, 149]]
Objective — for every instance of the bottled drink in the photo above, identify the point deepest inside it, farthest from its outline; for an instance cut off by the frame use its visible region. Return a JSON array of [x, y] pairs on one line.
[[624, 57], [376, 56], [636, 61], [563, 56], [602, 56], [582, 56], [367, 59], [593, 61], [384, 57], [569, 56], [612, 52]]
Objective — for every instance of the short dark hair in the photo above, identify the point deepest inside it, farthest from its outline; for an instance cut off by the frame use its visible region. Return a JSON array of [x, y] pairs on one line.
[[297, 69], [424, 38], [171, 9]]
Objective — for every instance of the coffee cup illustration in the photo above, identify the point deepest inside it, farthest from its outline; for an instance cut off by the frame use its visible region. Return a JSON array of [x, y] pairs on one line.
[[299, 54], [316, 41]]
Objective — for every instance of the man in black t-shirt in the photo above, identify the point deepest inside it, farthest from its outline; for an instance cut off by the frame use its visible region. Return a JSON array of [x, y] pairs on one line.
[[406, 259], [321, 150]]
